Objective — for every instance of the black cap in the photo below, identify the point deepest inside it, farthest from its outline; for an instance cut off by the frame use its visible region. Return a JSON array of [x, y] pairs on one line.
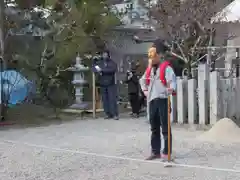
[[160, 46], [106, 51]]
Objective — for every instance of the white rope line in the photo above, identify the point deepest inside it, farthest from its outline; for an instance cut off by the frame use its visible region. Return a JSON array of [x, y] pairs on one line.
[[123, 158]]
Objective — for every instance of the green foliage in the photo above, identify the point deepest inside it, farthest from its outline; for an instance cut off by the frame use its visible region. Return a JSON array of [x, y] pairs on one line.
[[26, 4], [75, 28], [46, 44], [90, 21]]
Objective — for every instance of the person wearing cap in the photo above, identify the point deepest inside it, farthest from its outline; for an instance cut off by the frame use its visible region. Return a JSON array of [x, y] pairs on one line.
[[107, 68], [133, 90], [157, 83]]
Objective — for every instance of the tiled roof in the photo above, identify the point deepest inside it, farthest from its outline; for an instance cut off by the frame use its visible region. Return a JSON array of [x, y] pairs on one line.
[[137, 17], [231, 13], [114, 1]]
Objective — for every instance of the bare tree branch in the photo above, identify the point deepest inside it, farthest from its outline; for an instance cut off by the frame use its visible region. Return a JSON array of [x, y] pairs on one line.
[[185, 23]]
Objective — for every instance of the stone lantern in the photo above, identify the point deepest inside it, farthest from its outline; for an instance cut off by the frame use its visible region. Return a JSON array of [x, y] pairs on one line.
[[79, 82]]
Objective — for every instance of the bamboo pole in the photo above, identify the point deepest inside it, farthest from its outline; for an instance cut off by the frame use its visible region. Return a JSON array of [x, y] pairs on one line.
[[169, 128]]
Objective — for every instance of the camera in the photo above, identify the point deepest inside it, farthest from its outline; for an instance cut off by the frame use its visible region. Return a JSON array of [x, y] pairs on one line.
[[96, 59], [129, 74]]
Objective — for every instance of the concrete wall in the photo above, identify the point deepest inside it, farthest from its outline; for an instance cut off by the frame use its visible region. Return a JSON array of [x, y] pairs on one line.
[[222, 31], [207, 99]]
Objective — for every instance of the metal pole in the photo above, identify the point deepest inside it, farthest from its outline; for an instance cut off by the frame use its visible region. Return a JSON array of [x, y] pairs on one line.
[[217, 47]]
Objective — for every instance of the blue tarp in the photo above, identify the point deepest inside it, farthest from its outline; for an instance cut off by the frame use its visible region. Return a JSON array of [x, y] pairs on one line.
[[16, 87]]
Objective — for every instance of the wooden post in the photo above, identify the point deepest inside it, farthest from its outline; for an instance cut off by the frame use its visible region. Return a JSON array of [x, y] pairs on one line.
[[94, 95]]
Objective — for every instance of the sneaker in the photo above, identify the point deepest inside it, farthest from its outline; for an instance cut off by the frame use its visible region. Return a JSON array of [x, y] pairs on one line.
[[116, 118], [107, 117], [164, 157], [153, 156]]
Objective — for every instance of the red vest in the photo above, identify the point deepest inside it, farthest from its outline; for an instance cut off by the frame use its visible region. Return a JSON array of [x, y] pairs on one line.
[[162, 68]]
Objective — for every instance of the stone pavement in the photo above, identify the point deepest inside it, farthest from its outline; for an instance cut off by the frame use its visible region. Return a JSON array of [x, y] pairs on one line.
[[63, 152]]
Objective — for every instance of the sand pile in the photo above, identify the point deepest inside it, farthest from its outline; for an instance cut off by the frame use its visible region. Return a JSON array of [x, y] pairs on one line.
[[225, 130]]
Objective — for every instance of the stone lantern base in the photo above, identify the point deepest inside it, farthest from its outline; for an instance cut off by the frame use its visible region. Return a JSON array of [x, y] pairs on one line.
[[82, 106]]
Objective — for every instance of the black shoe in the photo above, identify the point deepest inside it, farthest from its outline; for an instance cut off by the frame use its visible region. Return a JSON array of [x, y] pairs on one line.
[[153, 156], [135, 115]]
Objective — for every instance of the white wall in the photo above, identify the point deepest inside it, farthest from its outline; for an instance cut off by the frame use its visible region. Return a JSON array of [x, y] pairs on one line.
[[233, 30]]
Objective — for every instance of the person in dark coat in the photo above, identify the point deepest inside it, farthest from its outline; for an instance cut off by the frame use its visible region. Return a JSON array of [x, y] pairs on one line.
[[133, 90], [107, 68]]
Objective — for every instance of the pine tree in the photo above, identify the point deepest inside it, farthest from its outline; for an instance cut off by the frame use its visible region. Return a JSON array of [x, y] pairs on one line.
[[43, 37]]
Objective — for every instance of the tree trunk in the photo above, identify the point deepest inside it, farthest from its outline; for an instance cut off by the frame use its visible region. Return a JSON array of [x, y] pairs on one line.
[[2, 30], [2, 62]]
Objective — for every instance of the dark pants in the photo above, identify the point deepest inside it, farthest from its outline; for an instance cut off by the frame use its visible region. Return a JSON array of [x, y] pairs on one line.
[[158, 116], [142, 102], [109, 98], [134, 102]]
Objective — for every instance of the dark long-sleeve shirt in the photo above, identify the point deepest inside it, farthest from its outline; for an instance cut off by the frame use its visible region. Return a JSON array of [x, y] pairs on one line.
[[107, 73], [133, 83]]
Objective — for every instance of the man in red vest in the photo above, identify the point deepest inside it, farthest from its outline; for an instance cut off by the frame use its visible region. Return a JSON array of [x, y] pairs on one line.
[[157, 83]]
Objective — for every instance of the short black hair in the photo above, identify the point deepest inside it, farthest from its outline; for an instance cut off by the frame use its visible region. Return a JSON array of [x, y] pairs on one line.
[[160, 46]]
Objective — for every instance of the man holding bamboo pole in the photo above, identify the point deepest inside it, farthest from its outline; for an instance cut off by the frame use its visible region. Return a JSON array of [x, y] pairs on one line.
[[158, 83]]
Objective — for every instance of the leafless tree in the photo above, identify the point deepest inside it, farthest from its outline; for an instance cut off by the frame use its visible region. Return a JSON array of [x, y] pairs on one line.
[[185, 24]]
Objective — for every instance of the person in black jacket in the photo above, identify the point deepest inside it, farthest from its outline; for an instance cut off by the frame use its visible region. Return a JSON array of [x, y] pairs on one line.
[[133, 90], [106, 69]]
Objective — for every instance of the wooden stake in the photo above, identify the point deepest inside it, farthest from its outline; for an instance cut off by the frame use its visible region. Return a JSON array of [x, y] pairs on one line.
[[94, 95], [169, 128]]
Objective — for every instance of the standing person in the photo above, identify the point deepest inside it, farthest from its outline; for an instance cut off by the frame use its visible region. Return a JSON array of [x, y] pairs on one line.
[[158, 82], [133, 90], [142, 100], [107, 69]]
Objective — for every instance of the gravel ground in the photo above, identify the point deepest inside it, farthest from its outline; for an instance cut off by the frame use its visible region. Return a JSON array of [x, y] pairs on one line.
[[109, 150]]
